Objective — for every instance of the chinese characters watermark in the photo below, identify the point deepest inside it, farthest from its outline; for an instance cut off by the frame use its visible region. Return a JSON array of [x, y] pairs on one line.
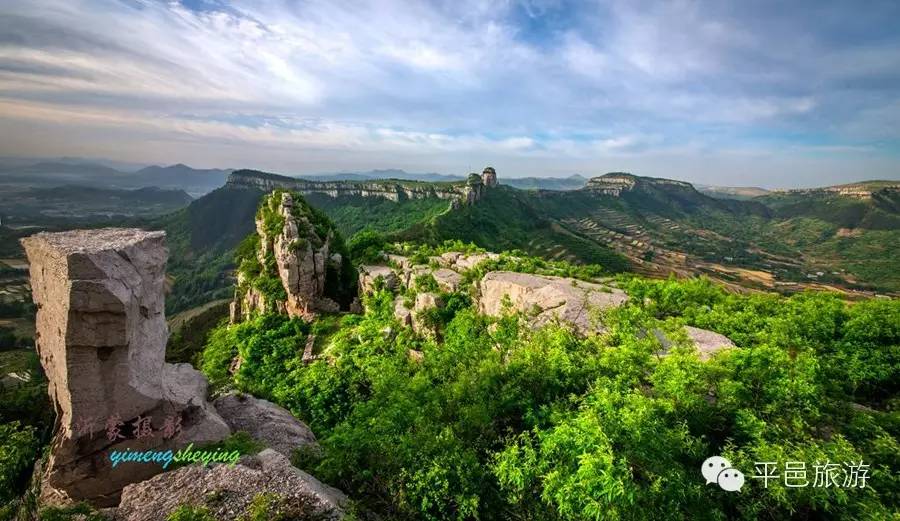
[[824, 475], [142, 427]]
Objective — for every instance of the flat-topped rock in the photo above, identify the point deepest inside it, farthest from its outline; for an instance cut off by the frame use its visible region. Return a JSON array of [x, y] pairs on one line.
[[300, 496], [447, 279], [101, 337], [545, 298], [93, 241], [369, 275]]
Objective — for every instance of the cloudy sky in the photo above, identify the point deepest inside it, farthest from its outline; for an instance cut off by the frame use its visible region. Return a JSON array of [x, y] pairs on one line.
[[735, 93]]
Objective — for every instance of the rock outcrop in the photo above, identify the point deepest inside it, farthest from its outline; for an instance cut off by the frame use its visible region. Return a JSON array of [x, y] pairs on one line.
[[227, 491], [266, 422], [474, 188], [370, 277], [297, 252], [706, 342], [393, 190], [545, 299], [489, 177], [101, 337]]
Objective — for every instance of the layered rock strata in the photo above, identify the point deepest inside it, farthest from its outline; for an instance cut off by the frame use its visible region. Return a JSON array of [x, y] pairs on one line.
[[391, 190], [101, 337]]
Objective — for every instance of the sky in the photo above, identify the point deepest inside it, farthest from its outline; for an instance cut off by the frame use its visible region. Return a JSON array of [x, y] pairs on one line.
[[761, 93]]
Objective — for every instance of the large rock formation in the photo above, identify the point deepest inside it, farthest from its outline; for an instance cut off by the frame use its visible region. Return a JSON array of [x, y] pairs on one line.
[[474, 188], [489, 177], [228, 491], [297, 252], [101, 337], [546, 298]]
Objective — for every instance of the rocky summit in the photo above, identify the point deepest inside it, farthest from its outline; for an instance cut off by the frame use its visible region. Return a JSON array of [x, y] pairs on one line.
[[296, 254]]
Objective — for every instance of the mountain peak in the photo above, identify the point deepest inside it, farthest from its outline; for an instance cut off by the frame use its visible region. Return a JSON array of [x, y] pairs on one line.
[[614, 183]]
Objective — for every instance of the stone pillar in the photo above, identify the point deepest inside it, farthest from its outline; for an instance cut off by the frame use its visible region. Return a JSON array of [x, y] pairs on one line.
[[101, 337], [489, 177]]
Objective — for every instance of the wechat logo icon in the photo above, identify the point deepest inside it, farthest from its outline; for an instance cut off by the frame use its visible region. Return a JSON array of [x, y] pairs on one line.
[[719, 470]]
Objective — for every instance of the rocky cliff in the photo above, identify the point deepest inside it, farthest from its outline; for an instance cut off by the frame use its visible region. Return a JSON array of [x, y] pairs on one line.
[[295, 265], [101, 337], [615, 183], [392, 190]]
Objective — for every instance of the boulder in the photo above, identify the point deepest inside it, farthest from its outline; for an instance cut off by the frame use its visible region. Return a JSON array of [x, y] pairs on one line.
[[447, 279], [399, 261], [545, 298], [101, 336], [369, 275], [467, 262], [401, 312], [227, 491], [265, 422], [409, 275], [707, 342], [424, 302]]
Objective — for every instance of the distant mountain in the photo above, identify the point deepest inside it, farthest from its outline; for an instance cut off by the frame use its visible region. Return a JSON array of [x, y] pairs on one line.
[[192, 180], [196, 182], [732, 192], [91, 195], [573, 182], [56, 171]]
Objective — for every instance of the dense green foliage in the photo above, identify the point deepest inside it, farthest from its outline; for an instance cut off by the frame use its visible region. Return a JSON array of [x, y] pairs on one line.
[[352, 214], [366, 247], [498, 421], [507, 219], [18, 448], [26, 424], [201, 240]]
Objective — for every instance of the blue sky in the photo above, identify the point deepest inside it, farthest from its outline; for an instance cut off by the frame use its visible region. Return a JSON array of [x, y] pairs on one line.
[[776, 94]]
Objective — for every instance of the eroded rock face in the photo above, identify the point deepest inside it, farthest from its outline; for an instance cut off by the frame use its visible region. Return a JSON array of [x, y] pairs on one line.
[[489, 177], [227, 491], [369, 276], [266, 422], [101, 337], [301, 257], [545, 298]]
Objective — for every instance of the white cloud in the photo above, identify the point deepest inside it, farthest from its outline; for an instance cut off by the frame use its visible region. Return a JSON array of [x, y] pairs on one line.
[[395, 79]]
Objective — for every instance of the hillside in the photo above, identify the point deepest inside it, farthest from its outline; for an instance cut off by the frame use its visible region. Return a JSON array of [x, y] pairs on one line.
[[732, 192], [826, 238], [204, 235]]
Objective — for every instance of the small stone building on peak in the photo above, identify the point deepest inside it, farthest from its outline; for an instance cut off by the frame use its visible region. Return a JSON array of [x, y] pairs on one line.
[[489, 177]]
